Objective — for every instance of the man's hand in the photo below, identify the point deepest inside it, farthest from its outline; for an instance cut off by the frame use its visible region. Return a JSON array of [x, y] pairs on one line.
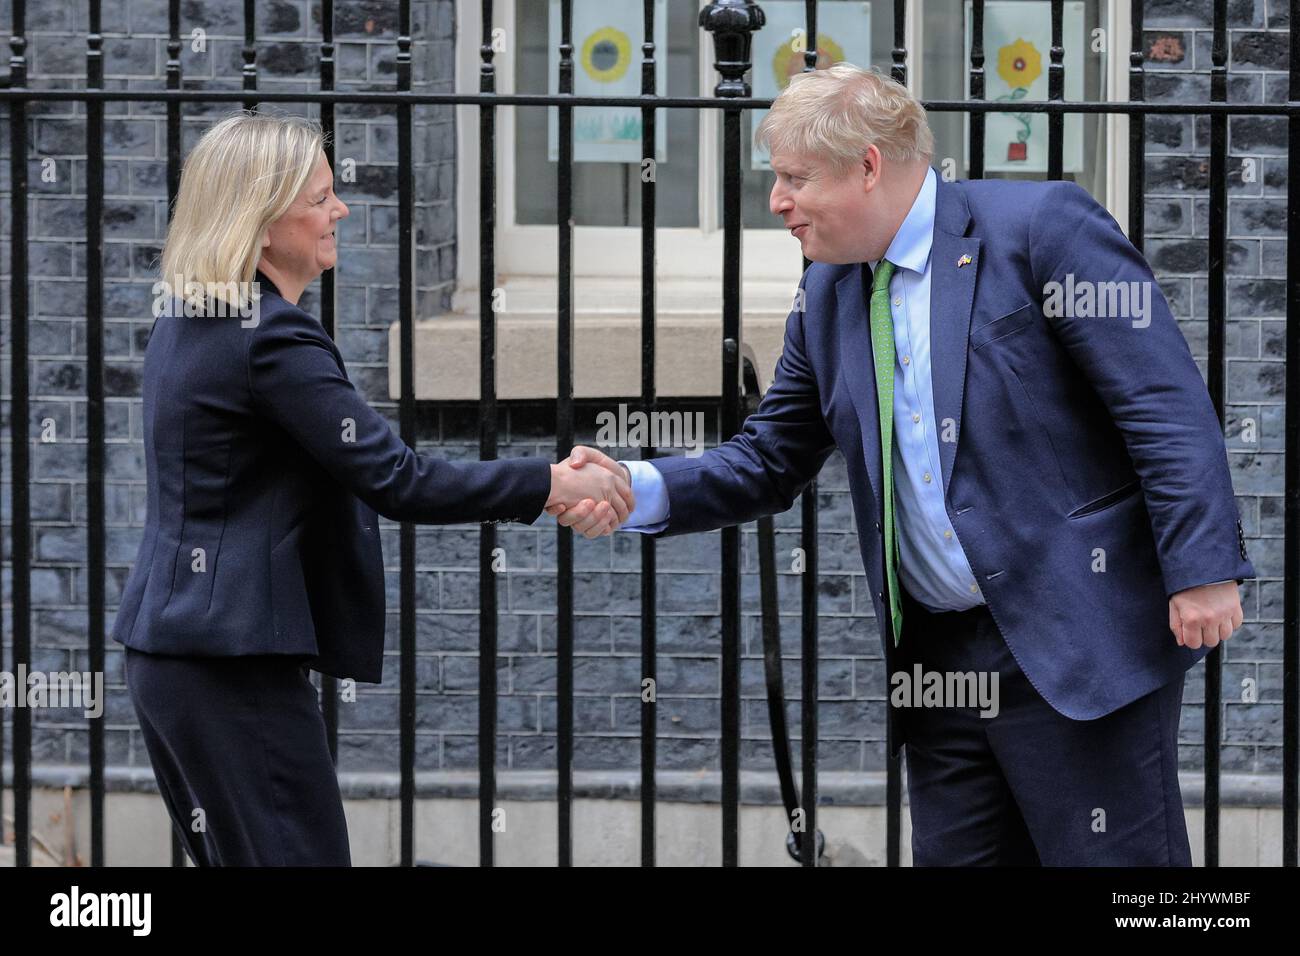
[[1205, 615], [584, 516], [594, 501]]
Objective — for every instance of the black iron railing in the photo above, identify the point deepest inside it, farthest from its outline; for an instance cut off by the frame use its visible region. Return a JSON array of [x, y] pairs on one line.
[[731, 24]]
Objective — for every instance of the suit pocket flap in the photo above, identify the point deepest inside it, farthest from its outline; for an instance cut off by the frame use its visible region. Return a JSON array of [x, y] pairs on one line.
[[1108, 499], [1002, 325]]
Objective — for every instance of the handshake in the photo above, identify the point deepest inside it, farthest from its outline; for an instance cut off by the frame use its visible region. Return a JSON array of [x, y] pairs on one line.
[[590, 493]]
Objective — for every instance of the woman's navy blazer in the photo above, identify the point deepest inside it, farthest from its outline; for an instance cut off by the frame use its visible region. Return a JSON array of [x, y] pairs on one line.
[[265, 472]]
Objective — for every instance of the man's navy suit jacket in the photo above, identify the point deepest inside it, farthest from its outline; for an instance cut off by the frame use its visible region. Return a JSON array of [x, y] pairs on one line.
[[1065, 442], [265, 472]]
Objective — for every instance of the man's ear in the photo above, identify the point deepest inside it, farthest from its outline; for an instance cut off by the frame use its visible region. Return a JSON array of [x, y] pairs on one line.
[[870, 168]]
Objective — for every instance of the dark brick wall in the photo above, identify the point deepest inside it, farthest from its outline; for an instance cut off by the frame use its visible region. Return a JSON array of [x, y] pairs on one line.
[[1178, 42]]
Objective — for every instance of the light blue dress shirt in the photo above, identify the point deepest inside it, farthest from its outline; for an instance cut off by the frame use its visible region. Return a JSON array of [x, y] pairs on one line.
[[933, 566]]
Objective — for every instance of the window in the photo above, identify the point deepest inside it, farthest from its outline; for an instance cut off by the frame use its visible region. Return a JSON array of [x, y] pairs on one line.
[[606, 194], [1016, 57], [607, 242]]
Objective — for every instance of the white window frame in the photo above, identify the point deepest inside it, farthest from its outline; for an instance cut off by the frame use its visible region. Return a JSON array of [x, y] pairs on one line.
[[526, 255]]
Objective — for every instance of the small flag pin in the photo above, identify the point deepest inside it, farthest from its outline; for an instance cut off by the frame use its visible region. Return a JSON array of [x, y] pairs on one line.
[[963, 261]]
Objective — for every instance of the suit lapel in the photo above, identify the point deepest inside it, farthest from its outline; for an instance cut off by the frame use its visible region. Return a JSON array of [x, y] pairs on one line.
[[858, 368], [952, 295]]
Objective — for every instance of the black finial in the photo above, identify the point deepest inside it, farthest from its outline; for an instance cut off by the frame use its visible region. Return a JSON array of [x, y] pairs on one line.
[[732, 23]]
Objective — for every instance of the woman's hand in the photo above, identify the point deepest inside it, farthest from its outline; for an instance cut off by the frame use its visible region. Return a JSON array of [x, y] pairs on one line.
[[594, 501]]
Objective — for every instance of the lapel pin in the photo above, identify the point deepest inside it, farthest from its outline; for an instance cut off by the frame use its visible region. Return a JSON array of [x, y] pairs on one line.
[[963, 261]]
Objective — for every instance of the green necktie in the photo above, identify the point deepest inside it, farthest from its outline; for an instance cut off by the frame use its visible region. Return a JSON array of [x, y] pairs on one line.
[[882, 342]]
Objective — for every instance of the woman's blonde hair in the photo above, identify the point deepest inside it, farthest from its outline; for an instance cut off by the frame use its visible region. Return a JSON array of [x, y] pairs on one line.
[[242, 175], [838, 112]]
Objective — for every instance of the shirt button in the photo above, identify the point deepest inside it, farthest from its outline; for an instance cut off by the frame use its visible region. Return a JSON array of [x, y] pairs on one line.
[[898, 300], [906, 360], [927, 476], [916, 417], [947, 534], [974, 589]]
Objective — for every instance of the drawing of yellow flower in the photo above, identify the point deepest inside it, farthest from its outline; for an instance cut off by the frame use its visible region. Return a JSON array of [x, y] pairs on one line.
[[1019, 64], [606, 54], [788, 60]]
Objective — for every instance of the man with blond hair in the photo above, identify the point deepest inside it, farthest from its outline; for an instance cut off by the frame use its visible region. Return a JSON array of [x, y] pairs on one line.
[[1038, 476]]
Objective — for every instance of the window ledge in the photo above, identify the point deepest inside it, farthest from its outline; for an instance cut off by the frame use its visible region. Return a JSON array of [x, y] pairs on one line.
[[607, 340]]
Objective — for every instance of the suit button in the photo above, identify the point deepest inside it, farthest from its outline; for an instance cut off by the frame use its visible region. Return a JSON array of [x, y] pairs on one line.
[[877, 525], [880, 596]]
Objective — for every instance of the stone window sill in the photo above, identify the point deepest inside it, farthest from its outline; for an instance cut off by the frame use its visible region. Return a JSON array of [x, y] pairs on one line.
[[607, 340]]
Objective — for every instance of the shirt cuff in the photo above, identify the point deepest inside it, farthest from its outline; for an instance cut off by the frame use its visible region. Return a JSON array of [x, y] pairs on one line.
[[651, 493]]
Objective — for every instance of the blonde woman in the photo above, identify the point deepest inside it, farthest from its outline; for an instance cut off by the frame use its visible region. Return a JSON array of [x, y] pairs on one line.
[[260, 557]]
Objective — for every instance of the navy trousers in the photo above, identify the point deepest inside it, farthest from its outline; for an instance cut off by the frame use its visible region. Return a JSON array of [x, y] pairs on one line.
[[239, 751], [1030, 787]]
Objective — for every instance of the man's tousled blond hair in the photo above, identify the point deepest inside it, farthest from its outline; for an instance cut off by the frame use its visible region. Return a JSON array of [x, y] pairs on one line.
[[836, 113]]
